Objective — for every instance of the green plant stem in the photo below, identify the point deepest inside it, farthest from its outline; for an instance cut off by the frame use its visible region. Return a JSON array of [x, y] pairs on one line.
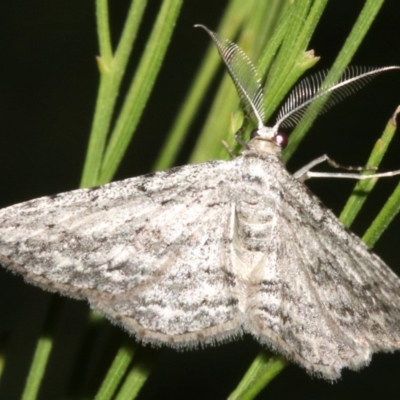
[[43, 350], [140, 88], [103, 31], [138, 374], [117, 370], [111, 73], [363, 188], [263, 369], [383, 219], [390, 209], [38, 367]]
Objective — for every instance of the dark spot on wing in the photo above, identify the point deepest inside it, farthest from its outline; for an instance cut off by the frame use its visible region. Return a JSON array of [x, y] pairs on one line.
[[253, 178], [346, 311], [233, 301], [141, 187], [166, 201], [216, 204], [138, 230]]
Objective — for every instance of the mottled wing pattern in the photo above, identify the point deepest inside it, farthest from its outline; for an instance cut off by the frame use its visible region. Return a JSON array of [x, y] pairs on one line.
[[320, 296], [150, 252]]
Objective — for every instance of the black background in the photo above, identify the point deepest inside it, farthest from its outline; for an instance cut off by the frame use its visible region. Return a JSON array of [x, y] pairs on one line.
[[48, 84]]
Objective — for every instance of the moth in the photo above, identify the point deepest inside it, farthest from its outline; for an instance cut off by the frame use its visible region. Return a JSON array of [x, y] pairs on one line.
[[204, 253]]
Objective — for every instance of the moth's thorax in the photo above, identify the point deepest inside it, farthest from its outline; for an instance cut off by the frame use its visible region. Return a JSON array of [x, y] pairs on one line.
[[263, 146], [260, 195]]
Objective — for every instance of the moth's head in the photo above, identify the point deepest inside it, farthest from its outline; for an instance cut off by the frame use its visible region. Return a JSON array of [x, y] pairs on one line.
[[267, 140]]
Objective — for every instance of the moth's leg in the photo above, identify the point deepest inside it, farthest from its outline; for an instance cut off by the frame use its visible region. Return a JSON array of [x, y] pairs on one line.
[[228, 149], [239, 134], [305, 173], [240, 140]]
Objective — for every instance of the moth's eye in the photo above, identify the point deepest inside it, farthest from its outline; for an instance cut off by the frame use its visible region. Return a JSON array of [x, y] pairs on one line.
[[281, 139], [254, 133]]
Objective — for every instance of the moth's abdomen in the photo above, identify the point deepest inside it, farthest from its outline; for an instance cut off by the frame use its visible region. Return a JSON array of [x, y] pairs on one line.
[[255, 227], [257, 204]]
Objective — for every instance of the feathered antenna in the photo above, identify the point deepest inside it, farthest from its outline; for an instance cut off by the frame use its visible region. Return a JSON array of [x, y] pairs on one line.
[[312, 88], [244, 75]]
